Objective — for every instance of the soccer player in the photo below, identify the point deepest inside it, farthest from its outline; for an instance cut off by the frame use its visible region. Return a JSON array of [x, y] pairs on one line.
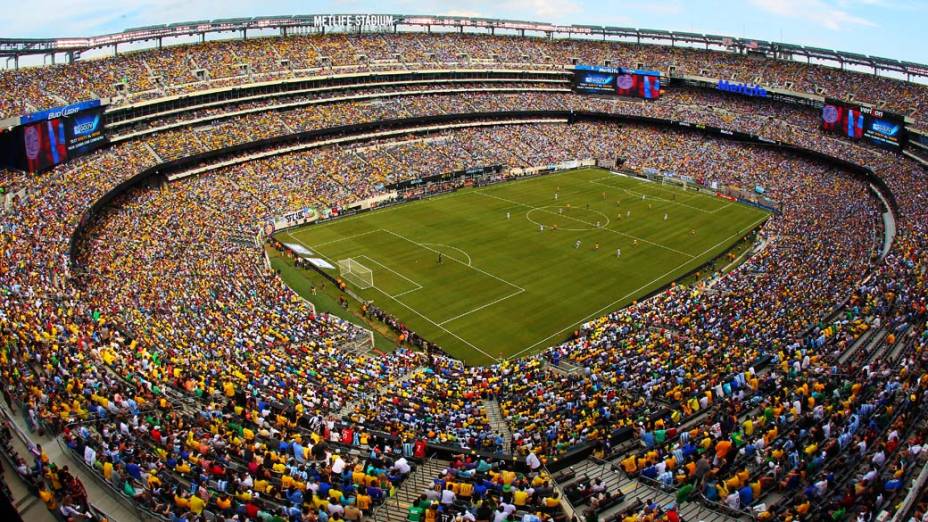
[[628, 213], [541, 228], [665, 216], [555, 196], [618, 252], [577, 244], [507, 215], [441, 258], [596, 245]]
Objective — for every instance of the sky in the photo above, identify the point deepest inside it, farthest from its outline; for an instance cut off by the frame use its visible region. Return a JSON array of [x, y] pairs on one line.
[[886, 28]]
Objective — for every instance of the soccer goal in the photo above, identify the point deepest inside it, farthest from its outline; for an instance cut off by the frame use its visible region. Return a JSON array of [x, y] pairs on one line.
[[356, 273]]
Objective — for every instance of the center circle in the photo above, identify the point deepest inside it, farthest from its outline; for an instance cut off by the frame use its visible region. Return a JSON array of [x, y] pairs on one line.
[[577, 219]]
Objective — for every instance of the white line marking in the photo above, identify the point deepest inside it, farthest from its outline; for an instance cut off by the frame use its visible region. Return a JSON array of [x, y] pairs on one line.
[[658, 198], [591, 225], [449, 332], [404, 293], [374, 261], [517, 292], [626, 296], [422, 245], [413, 310], [342, 238], [452, 248], [653, 184]]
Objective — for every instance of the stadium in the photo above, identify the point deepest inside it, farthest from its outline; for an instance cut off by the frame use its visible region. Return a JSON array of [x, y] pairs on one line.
[[444, 268]]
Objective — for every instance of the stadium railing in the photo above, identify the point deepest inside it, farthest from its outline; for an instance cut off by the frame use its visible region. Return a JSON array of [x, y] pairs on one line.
[[140, 512], [27, 441]]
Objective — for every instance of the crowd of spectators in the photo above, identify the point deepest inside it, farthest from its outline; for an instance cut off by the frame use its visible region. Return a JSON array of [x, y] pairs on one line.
[[199, 382], [185, 68]]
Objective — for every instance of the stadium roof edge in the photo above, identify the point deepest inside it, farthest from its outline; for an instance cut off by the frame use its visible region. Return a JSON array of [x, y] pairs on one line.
[[13, 48]]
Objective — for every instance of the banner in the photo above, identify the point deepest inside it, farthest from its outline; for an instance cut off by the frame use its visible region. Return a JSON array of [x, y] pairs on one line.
[[299, 217], [59, 112]]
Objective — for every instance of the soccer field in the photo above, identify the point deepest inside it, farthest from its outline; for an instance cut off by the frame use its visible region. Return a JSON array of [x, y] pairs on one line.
[[506, 287]]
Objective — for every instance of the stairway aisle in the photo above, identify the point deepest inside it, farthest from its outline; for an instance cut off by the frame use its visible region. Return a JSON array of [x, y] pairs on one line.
[[498, 424], [395, 508]]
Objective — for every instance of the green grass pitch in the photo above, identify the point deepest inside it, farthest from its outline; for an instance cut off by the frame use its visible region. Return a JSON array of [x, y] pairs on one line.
[[507, 288]]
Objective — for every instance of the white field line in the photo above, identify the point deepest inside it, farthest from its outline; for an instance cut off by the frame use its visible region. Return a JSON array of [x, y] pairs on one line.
[[658, 198], [449, 332], [591, 225], [374, 261], [345, 238], [469, 263], [597, 313], [657, 186], [491, 303], [404, 293], [413, 310], [422, 245]]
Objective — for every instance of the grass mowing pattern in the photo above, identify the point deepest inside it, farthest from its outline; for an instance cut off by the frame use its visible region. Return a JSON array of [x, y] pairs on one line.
[[507, 288]]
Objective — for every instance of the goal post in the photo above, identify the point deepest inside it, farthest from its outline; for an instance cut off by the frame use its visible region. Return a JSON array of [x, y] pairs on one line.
[[356, 273]]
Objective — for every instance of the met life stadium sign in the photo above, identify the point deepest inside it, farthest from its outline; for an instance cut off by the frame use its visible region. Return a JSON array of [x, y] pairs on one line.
[[354, 20]]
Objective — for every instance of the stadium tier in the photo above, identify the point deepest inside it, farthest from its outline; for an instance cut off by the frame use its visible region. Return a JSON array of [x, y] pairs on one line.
[[453, 276]]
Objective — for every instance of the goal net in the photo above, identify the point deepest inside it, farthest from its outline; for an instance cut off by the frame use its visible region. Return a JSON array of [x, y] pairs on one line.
[[356, 273]]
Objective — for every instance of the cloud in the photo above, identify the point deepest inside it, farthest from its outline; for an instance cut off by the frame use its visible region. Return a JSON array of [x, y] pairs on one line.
[[87, 17], [545, 9], [666, 7], [818, 12], [464, 12]]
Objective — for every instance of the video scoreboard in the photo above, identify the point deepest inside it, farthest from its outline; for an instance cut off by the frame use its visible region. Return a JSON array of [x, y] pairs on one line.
[[857, 122], [620, 81], [51, 137]]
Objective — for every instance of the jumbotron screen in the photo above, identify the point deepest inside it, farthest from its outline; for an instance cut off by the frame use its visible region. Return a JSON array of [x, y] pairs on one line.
[[617, 80], [52, 137], [881, 128]]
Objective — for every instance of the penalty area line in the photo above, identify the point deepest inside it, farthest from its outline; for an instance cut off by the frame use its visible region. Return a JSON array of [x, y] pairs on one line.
[[413, 310], [491, 303]]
